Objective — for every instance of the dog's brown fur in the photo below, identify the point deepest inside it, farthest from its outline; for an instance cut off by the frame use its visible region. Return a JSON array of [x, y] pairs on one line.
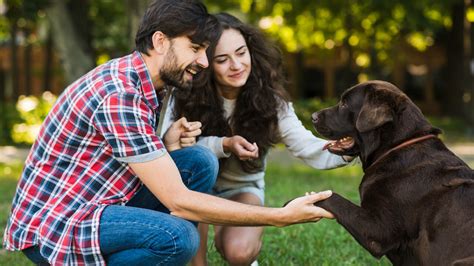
[[417, 202]]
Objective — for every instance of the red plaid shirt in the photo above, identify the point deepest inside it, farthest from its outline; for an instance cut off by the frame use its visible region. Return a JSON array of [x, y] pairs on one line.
[[79, 162]]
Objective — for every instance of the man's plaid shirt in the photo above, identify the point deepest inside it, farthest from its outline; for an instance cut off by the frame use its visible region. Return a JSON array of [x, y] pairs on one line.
[[79, 162]]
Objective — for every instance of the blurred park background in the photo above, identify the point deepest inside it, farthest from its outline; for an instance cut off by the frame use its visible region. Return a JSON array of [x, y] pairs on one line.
[[426, 47]]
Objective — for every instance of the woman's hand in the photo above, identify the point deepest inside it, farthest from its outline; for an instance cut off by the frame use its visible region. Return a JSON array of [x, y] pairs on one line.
[[240, 147], [181, 134]]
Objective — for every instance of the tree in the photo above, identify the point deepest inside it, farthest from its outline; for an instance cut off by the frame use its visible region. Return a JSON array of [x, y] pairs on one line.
[[17, 21], [135, 10], [468, 96], [71, 42]]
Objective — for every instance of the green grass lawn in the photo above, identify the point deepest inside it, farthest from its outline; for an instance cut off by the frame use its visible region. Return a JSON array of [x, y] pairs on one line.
[[8, 178], [322, 243]]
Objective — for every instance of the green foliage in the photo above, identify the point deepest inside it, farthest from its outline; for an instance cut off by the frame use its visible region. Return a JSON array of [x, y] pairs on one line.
[[8, 117], [25, 15], [32, 111], [373, 30], [454, 129], [306, 107], [109, 34], [4, 29]]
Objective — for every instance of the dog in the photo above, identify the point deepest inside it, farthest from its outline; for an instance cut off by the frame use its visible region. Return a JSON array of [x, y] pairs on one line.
[[417, 197]]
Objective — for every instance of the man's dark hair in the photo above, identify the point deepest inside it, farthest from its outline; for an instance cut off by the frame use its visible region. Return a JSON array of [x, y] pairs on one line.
[[175, 18]]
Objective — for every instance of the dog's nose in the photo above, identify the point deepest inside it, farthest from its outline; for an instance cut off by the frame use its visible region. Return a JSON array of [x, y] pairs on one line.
[[315, 117]]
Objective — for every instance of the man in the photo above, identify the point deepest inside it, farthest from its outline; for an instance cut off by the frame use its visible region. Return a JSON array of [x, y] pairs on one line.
[[99, 185]]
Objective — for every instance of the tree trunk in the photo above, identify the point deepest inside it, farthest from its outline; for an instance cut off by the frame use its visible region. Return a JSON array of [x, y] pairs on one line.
[[48, 62], [455, 63], [12, 91], [135, 11], [4, 129], [70, 43], [27, 54], [469, 94]]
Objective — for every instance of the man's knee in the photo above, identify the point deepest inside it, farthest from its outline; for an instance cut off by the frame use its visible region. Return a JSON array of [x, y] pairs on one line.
[[205, 158], [188, 241], [182, 245]]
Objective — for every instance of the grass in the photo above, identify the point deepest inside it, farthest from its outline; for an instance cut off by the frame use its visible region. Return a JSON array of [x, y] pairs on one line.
[[9, 174], [322, 243]]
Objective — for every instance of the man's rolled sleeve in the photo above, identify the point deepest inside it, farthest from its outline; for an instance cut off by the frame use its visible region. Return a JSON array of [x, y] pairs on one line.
[[127, 124]]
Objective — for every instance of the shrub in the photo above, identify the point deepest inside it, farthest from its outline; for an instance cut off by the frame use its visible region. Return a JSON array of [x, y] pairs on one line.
[[305, 107], [32, 111]]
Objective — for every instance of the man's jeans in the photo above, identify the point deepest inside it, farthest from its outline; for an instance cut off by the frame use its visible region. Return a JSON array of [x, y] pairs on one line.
[[143, 232]]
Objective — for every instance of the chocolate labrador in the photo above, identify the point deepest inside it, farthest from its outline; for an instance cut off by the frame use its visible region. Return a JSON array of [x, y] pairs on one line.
[[417, 197]]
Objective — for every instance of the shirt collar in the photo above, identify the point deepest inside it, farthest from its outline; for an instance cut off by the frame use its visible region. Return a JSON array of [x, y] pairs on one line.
[[147, 87]]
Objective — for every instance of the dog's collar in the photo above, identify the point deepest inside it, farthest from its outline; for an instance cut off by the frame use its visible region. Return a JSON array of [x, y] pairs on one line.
[[404, 144]]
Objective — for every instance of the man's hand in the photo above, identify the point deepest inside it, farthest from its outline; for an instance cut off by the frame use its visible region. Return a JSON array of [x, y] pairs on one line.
[[166, 185], [302, 209], [240, 147], [181, 134]]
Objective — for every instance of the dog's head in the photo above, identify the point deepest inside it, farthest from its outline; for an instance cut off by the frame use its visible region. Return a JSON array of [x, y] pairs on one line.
[[369, 119]]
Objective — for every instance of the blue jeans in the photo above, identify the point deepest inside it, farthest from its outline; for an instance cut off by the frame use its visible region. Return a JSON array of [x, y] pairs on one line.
[[142, 232]]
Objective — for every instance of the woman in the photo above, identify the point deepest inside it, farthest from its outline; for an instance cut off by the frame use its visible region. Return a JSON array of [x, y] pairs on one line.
[[244, 110]]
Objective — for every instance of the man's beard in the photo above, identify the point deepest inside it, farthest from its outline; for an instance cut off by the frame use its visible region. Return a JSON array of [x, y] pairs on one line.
[[172, 74]]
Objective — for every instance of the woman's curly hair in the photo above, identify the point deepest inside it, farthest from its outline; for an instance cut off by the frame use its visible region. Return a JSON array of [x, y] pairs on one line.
[[256, 112]]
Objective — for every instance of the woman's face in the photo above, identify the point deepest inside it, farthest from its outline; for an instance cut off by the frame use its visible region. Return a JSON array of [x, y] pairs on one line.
[[231, 62]]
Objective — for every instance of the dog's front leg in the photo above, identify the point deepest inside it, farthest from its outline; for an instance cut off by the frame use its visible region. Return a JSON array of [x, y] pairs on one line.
[[372, 233]]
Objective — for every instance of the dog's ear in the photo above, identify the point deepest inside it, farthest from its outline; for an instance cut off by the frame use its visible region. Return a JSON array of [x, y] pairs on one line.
[[373, 114]]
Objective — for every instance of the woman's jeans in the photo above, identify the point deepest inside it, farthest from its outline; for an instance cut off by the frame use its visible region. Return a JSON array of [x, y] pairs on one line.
[[143, 232]]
